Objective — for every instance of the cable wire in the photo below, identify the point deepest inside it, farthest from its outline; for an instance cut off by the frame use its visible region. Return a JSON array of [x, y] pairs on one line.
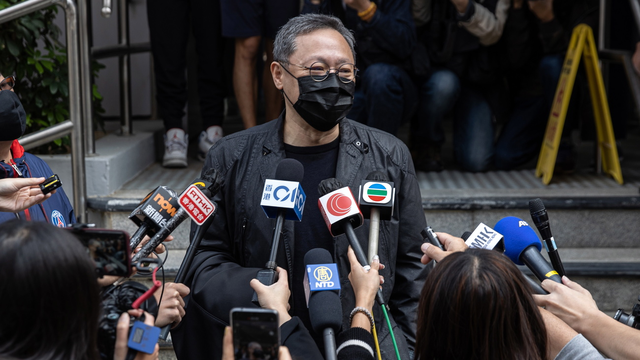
[[393, 336]]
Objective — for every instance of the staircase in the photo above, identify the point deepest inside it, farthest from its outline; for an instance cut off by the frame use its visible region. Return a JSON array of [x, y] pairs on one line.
[[594, 220]]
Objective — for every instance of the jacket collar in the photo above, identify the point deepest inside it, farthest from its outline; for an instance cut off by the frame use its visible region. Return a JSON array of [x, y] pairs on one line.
[[350, 156]]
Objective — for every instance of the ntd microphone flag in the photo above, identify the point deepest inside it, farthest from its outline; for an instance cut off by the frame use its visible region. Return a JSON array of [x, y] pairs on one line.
[[378, 194], [337, 207], [323, 277], [283, 195]]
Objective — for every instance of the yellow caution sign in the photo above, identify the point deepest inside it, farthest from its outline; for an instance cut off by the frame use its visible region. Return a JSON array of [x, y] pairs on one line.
[[582, 44]]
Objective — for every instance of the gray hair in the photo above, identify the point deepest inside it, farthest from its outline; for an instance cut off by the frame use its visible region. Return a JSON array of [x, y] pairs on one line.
[[285, 42]]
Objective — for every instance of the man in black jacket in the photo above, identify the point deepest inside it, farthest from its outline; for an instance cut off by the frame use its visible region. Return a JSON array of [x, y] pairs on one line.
[[314, 68]]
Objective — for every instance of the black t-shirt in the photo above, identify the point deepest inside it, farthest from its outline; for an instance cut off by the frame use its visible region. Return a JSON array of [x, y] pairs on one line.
[[319, 163]]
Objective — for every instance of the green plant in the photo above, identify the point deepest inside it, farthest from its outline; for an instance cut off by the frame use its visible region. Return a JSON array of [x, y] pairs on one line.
[[30, 49]]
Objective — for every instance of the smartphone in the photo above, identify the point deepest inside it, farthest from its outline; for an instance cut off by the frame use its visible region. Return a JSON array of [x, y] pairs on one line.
[[108, 248], [256, 334]]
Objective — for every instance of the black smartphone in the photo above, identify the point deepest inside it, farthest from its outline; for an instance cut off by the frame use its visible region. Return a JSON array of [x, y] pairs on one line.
[[256, 334], [108, 248]]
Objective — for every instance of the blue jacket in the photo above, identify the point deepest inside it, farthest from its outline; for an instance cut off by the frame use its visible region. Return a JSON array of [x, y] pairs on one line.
[[56, 210]]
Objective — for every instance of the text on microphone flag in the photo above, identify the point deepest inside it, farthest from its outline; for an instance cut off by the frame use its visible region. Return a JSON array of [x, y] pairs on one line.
[[196, 204]]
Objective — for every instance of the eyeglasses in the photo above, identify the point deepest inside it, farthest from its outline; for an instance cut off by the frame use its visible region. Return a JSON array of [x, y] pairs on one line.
[[319, 71], [8, 83]]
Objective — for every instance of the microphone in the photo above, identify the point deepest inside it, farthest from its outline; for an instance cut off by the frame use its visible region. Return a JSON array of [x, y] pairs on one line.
[[376, 197], [465, 235], [325, 308], [484, 237], [428, 234], [282, 198], [194, 202], [153, 212], [522, 246], [342, 215], [541, 220]]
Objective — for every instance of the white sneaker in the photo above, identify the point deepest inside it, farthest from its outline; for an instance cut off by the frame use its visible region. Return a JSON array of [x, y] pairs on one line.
[[207, 139], [175, 149]]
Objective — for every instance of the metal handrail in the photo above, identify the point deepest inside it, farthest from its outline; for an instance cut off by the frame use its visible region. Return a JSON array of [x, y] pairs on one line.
[[75, 90], [47, 135]]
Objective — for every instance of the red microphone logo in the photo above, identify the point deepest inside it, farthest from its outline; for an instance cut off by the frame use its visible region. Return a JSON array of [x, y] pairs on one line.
[[338, 204]]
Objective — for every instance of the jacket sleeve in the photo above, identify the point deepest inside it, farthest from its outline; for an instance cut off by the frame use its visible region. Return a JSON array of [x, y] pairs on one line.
[[484, 24], [410, 272], [218, 282], [392, 27], [517, 38], [295, 336]]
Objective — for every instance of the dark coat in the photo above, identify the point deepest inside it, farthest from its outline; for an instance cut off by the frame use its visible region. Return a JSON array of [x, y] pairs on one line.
[[238, 242], [56, 210]]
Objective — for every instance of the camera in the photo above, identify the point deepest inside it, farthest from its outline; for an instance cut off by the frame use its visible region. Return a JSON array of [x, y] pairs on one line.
[[632, 320]]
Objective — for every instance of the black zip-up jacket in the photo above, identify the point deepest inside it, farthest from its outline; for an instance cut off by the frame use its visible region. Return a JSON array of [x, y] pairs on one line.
[[238, 242]]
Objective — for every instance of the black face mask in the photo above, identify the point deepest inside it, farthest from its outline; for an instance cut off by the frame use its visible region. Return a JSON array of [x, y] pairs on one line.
[[322, 104], [13, 119]]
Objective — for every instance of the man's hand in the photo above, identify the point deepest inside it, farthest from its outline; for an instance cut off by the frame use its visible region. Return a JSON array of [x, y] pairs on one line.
[[358, 5], [461, 5], [450, 243], [365, 283], [17, 194], [171, 309], [570, 302], [122, 337], [275, 296], [517, 4], [543, 9]]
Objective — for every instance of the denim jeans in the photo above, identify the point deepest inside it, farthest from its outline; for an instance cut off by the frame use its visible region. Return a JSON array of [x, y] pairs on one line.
[[473, 131], [437, 97], [386, 98], [522, 135]]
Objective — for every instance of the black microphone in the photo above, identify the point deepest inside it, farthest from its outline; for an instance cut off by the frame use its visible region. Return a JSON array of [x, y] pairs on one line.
[[522, 246], [194, 202], [342, 215], [153, 212], [376, 198], [428, 234], [325, 308], [541, 220], [282, 198]]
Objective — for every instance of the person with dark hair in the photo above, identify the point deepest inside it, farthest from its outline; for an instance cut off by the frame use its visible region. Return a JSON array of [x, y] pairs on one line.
[[16, 163], [50, 297], [476, 304], [314, 67]]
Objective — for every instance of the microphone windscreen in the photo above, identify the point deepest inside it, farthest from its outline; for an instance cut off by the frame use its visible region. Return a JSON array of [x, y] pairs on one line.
[[377, 176], [290, 170], [536, 205], [325, 311], [317, 256], [465, 235], [518, 235], [328, 185]]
